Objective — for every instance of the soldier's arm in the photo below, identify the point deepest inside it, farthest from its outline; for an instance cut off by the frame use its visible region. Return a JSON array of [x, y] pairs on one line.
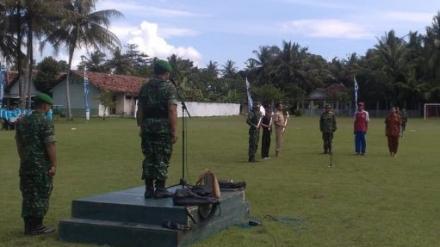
[[334, 123], [321, 124], [19, 148], [52, 153], [139, 115]]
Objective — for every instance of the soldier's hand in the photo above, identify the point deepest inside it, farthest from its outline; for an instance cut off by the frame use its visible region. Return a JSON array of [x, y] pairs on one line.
[[52, 171], [173, 139]]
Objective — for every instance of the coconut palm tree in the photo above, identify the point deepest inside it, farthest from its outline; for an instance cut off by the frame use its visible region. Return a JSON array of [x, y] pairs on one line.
[[8, 42], [83, 27]]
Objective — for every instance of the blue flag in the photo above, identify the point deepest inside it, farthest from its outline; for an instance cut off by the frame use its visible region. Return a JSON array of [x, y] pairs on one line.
[[86, 94], [248, 90]]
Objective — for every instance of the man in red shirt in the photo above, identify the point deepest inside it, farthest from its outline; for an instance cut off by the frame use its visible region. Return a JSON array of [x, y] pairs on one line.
[[361, 119]]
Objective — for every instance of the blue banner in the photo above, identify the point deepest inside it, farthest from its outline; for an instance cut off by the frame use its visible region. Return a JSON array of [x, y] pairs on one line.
[[356, 89], [2, 84], [12, 115]]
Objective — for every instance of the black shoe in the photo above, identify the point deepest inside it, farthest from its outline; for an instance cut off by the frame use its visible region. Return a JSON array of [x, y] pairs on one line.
[[40, 230], [161, 191], [149, 193], [149, 188]]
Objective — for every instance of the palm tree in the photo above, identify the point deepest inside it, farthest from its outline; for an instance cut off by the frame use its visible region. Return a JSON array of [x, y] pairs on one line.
[[38, 19], [229, 69], [83, 27], [8, 43]]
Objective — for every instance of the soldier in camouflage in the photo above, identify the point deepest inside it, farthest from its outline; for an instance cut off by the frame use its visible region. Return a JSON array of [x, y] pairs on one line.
[[35, 139], [157, 119], [327, 125], [254, 121]]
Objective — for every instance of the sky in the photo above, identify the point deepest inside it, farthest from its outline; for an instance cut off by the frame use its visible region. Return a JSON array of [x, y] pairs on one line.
[[213, 30]]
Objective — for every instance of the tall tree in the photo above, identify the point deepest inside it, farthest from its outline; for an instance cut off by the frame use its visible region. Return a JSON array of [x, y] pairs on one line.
[[83, 27]]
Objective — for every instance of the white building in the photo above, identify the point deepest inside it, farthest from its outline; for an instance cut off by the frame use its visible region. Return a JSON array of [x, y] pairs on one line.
[[124, 88]]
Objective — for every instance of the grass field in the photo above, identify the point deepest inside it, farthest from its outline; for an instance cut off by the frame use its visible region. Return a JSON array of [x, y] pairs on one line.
[[372, 201]]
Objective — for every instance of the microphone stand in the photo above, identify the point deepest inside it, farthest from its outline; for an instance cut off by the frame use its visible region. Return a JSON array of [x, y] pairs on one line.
[[182, 181]]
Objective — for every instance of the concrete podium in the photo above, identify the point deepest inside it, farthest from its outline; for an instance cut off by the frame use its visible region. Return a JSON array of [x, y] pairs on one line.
[[125, 218]]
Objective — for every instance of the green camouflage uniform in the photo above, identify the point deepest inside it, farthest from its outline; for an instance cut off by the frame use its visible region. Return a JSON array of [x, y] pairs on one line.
[[327, 125], [33, 132], [254, 133], [154, 97]]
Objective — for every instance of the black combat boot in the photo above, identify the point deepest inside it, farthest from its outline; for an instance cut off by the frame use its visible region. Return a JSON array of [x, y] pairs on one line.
[[38, 228], [161, 191], [27, 225], [149, 188]]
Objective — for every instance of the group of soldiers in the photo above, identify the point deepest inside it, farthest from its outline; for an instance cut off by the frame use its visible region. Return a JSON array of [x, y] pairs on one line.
[[262, 117], [35, 139], [395, 124]]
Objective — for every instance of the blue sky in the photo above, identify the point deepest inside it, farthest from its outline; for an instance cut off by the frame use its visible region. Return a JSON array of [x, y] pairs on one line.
[[220, 30]]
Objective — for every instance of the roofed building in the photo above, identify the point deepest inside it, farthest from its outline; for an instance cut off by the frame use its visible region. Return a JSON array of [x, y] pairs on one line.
[[123, 87]]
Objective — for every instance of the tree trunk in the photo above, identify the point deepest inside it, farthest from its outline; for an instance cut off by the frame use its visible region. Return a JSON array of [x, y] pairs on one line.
[[19, 67], [31, 58], [69, 110]]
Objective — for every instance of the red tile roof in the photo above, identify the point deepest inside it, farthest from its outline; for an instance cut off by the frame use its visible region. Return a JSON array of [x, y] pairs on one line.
[[114, 83]]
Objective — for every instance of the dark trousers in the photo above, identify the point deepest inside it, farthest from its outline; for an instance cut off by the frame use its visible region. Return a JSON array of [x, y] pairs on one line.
[[265, 143], [360, 143], [393, 143], [327, 138], [253, 143]]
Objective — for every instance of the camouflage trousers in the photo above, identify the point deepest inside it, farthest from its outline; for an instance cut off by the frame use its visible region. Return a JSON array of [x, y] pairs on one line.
[[254, 135], [327, 138], [157, 149], [35, 190]]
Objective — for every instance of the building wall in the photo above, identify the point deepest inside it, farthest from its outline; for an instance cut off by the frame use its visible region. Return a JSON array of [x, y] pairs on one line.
[[198, 109], [13, 92], [76, 97]]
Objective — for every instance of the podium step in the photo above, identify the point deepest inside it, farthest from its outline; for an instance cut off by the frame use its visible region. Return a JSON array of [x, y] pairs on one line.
[[125, 218]]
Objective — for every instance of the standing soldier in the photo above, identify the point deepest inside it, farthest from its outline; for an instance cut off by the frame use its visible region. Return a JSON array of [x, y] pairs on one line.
[[392, 130], [361, 119], [280, 126], [157, 119], [35, 139], [254, 121], [404, 119], [327, 125], [266, 123]]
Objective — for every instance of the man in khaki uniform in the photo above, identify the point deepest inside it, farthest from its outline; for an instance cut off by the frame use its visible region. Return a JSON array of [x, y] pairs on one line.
[[280, 126]]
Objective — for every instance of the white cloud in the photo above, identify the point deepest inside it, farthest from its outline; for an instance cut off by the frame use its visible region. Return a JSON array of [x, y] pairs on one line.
[[151, 40], [326, 28], [422, 17]]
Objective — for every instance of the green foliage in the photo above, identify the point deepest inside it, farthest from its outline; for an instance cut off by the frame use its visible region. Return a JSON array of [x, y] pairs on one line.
[[48, 72], [268, 93]]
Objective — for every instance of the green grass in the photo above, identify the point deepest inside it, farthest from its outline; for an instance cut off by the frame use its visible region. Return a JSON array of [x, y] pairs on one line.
[[372, 201]]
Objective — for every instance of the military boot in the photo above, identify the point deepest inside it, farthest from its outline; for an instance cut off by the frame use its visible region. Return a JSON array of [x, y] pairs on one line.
[[161, 191], [149, 188], [38, 228], [27, 225]]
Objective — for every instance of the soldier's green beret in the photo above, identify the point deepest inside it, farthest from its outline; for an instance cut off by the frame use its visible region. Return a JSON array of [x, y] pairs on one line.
[[44, 98], [161, 67]]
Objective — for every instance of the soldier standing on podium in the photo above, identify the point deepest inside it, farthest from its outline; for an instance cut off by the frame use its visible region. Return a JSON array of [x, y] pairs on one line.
[[157, 119]]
